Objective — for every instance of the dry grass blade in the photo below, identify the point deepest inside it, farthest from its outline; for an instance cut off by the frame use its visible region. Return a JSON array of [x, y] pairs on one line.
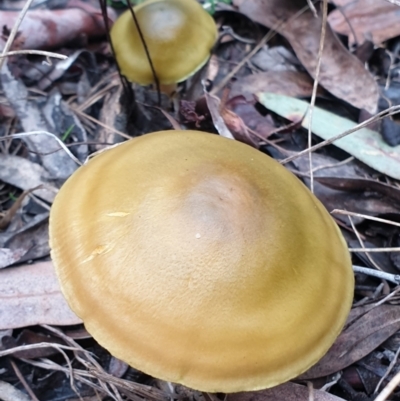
[[388, 370], [360, 240], [316, 81], [23, 381], [58, 140], [368, 250], [35, 52], [14, 31], [74, 374], [345, 212], [94, 120], [10, 213], [385, 393], [58, 347], [245, 59], [88, 361], [107, 381]]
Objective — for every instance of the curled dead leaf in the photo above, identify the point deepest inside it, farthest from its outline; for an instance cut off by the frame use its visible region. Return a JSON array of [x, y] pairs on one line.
[[43, 29], [341, 73], [362, 336]]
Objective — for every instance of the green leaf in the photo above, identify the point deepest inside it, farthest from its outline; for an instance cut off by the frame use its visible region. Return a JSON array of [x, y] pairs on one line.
[[365, 145]]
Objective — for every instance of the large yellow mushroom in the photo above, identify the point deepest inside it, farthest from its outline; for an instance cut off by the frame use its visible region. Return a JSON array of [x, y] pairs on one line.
[[200, 260]]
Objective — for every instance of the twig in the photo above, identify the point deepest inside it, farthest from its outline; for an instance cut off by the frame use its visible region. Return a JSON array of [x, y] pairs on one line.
[[362, 243], [60, 142], [10, 213], [368, 250], [388, 370], [94, 120], [385, 113], [146, 49], [310, 387], [91, 360], [312, 8], [58, 347], [23, 381], [389, 296], [315, 85], [365, 216], [385, 393], [36, 52], [334, 380], [337, 164], [14, 31], [393, 278], [249, 55]]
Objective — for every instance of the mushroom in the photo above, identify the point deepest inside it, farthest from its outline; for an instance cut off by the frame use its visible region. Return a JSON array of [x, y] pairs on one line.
[[200, 260], [179, 35]]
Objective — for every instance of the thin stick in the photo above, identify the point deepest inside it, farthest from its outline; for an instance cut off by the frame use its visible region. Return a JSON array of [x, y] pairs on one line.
[[249, 55], [388, 370], [368, 250], [126, 85], [385, 113], [105, 126], [389, 296], [146, 49], [23, 381], [36, 52], [365, 216], [58, 140], [393, 278], [390, 387], [315, 86], [310, 391], [360, 240], [14, 31]]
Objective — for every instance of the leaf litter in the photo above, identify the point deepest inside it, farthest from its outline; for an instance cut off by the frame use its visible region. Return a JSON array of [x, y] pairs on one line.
[[80, 101]]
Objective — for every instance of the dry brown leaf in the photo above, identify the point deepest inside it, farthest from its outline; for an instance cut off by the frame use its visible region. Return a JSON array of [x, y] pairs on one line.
[[10, 256], [31, 295], [214, 106], [255, 127], [372, 20], [284, 392], [24, 174], [10, 393], [43, 29], [360, 338], [341, 73], [113, 115], [289, 83]]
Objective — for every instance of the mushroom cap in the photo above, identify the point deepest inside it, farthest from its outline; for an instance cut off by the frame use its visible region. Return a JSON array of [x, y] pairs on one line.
[[200, 260], [179, 35]]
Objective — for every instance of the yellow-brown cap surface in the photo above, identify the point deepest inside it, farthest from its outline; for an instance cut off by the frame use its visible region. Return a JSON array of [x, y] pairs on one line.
[[179, 35], [200, 260]]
